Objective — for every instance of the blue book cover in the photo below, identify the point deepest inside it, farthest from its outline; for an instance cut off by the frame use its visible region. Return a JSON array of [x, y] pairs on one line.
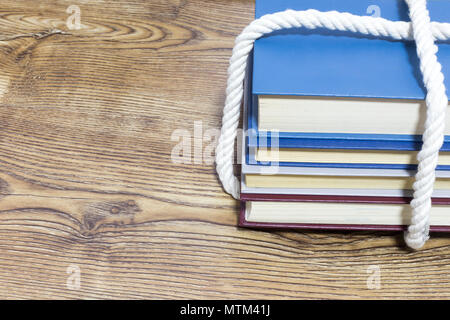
[[328, 63], [254, 140]]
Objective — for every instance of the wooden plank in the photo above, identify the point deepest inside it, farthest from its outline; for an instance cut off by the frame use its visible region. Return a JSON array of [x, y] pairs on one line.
[[87, 182]]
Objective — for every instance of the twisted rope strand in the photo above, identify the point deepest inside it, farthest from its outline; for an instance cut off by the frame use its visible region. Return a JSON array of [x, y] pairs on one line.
[[420, 29], [433, 136]]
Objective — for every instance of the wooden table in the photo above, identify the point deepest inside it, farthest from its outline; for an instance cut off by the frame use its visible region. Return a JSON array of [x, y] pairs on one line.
[[88, 191]]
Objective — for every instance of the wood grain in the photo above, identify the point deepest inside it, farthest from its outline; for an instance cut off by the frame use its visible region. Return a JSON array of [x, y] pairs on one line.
[[86, 179]]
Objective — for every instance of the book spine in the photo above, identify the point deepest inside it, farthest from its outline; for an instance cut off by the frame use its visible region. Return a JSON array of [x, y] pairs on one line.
[[304, 226]]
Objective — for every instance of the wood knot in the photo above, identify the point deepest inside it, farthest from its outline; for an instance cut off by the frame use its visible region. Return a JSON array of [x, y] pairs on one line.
[[109, 212], [4, 188], [115, 210]]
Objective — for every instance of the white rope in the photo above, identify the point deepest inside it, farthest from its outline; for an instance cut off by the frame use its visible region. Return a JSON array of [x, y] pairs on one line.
[[419, 29]]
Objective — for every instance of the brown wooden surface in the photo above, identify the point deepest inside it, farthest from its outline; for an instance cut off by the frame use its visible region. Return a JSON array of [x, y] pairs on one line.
[[86, 118]]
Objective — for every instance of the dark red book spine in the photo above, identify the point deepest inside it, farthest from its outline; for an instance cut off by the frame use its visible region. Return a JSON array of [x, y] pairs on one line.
[[319, 198], [322, 198]]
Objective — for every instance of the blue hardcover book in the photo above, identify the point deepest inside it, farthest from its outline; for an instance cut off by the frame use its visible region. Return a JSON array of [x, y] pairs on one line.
[[253, 140], [321, 63]]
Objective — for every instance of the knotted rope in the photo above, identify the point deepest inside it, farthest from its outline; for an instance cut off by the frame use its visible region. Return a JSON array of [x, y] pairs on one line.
[[420, 29]]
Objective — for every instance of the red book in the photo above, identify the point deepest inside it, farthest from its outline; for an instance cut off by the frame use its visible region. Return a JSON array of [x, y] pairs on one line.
[[440, 203]]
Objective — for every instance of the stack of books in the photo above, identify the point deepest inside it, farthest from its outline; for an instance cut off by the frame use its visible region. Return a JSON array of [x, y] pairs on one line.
[[334, 124]]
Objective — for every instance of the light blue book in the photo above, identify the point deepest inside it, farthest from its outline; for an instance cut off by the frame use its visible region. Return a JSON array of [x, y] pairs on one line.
[[322, 63]]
